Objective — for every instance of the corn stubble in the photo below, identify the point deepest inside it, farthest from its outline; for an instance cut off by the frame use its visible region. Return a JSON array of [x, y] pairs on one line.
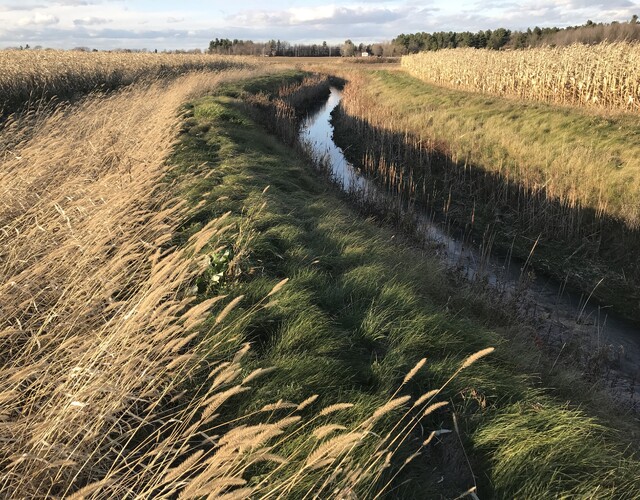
[[605, 76], [98, 326]]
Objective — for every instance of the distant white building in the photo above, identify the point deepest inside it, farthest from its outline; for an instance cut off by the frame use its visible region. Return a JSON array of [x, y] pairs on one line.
[[365, 54]]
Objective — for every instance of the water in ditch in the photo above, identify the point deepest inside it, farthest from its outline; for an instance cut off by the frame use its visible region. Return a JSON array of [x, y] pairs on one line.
[[608, 345]]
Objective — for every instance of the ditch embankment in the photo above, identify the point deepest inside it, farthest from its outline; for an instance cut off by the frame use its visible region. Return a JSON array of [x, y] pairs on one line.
[[190, 310], [603, 345], [363, 305], [557, 187]]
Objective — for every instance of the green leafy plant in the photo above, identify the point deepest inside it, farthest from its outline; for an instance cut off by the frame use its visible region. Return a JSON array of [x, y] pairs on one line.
[[213, 276]]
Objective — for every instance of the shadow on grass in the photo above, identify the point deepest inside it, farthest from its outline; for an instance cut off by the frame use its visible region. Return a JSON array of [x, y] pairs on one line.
[[573, 243], [358, 312]]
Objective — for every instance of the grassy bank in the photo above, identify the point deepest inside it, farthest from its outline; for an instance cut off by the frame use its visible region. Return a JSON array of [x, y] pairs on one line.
[[359, 310], [526, 172]]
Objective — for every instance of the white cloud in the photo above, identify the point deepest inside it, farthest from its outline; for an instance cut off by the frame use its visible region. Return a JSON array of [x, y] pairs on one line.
[[19, 7], [76, 3], [38, 20], [120, 23], [354, 15], [321, 15], [91, 21], [603, 4]]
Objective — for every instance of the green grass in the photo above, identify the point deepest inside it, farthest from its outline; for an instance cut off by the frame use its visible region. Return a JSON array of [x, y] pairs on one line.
[[537, 136], [268, 84], [586, 167], [360, 309]]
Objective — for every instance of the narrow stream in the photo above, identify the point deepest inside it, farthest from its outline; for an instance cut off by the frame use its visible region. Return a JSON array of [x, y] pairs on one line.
[[608, 345]]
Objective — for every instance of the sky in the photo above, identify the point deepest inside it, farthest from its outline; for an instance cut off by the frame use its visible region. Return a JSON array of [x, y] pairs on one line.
[[188, 24]]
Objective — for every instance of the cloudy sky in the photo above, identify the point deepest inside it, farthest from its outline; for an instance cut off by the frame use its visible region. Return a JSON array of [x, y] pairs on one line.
[[184, 24]]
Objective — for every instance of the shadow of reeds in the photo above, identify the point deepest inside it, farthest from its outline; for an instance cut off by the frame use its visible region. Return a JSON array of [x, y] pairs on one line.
[[594, 252]]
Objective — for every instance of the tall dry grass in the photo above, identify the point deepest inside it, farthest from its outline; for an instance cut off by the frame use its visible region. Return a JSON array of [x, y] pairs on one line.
[[90, 295], [32, 75], [281, 115], [606, 75], [107, 388]]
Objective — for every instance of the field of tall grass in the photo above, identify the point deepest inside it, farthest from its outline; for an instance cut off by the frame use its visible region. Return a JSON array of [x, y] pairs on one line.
[[91, 339], [185, 310], [605, 75], [114, 369], [33, 75]]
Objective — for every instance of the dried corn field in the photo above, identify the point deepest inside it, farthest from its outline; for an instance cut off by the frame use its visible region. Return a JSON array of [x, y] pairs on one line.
[[605, 76], [31, 75]]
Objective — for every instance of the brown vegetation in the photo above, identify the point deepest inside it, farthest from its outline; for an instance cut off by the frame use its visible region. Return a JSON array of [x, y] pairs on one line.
[[108, 387], [592, 33], [90, 335], [602, 76], [30, 75]]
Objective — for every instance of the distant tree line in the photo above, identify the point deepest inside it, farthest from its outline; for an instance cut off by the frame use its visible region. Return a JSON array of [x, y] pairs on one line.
[[271, 48], [274, 48], [501, 38], [349, 49]]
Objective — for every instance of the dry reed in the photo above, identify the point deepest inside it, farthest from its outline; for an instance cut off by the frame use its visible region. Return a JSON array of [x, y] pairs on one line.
[[31, 75], [90, 291], [98, 325]]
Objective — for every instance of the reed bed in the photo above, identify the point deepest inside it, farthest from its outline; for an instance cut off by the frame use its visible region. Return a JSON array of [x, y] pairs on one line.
[[605, 76], [90, 294], [281, 112], [31, 75]]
